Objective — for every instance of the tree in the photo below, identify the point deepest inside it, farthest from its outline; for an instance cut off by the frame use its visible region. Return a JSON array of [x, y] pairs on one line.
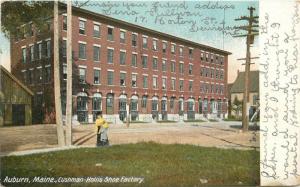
[[236, 107]]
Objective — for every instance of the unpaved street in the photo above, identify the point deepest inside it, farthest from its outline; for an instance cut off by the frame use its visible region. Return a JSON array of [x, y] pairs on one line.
[[216, 134]]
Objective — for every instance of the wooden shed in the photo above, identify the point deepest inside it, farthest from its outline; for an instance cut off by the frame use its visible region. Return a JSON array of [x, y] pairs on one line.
[[15, 100]]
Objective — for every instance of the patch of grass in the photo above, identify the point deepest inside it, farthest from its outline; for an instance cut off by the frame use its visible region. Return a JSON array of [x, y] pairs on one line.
[[166, 121], [160, 165], [213, 120], [195, 120]]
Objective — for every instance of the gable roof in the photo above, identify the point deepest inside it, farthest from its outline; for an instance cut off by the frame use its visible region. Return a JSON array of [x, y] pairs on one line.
[[3, 70], [238, 85], [122, 23]]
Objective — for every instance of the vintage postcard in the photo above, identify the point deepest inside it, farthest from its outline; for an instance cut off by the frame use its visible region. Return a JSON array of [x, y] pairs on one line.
[[149, 93]]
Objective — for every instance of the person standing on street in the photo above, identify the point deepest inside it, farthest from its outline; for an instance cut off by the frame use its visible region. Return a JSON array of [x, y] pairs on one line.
[[101, 128]]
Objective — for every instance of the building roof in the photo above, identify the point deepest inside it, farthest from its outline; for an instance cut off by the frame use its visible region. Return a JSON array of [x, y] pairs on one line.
[[3, 70], [165, 36], [238, 85]]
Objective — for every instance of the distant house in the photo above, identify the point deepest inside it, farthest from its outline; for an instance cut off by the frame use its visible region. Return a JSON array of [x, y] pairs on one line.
[[15, 100], [237, 90]]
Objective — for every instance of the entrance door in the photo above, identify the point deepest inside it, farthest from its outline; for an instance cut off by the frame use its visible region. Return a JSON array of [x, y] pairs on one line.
[[18, 114]]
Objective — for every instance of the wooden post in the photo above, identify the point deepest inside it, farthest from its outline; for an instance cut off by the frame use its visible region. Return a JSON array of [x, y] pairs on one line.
[[57, 95], [69, 76]]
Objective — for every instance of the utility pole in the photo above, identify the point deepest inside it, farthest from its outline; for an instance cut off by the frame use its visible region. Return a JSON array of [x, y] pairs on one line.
[[69, 76], [251, 32], [57, 94]]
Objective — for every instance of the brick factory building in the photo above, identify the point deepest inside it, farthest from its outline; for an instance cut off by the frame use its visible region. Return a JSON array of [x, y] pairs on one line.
[[160, 76]]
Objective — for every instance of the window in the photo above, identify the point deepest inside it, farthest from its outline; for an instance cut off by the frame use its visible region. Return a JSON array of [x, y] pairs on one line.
[[180, 85], [201, 87], [110, 78], [154, 104], [134, 40], [207, 72], [201, 55], [164, 47], [64, 48], [221, 60], [218, 89], [144, 61], [180, 51], [122, 79], [173, 84], [145, 42], [47, 74], [97, 76], [190, 52], [82, 75], [154, 45], [172, 101], [110, 34], [217, 74], [173, 48], [96, 32], [164, 65], [122, 57], [39, 75], [206, 57], [255, 99], [144, 101], [29, 76], [122, 37], [164, 104], [96, 104], [191, 105], [154, 82], [25, 76], [48, 48], [82, 51], [173, 66], [96, 53], [212, 88], [164, 83], [212, 73], [181, 104], [40, 51], [65, 23], [181, 70], [134, 60], [212, 58], [217, 59], [221, 74], [134, 80], [110, 56], [32, 53], [109, 103], [202, 71], [81, 27], [154, 63], [190, 69], [24, 55], [65, 72], [145, 81], [190, 86]]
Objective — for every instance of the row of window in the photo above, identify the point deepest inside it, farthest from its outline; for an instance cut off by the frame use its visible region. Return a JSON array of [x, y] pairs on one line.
[[37, 76], [36, 51], [134, 60], [208, 57], [82, 103], [145, 81], [211, 73]]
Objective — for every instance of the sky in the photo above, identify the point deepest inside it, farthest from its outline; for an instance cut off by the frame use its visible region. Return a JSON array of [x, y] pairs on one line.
[[197, 21]]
